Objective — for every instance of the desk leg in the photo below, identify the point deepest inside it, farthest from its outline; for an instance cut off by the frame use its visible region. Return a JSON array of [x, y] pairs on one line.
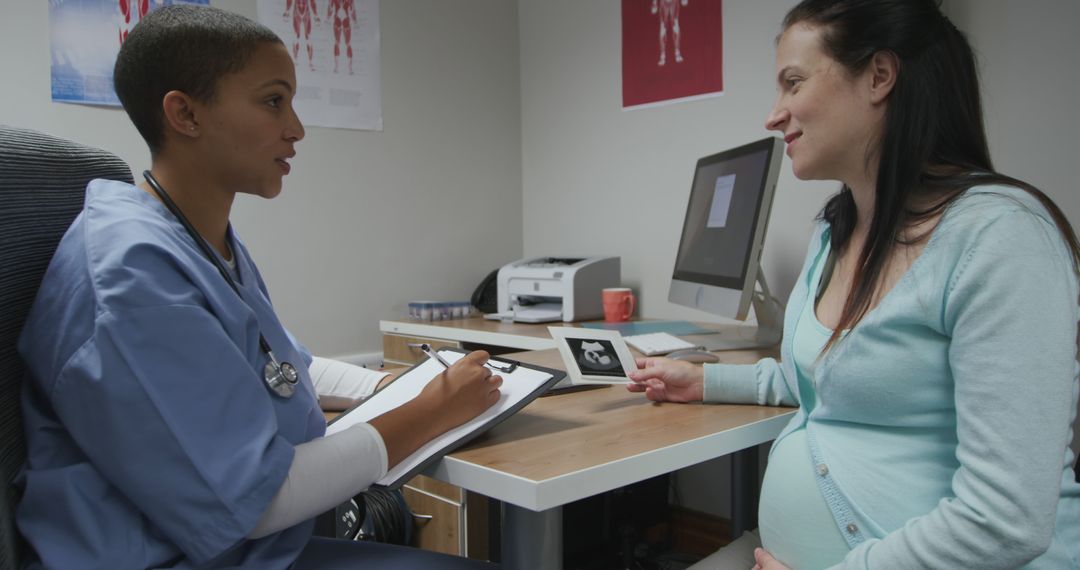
[[531, 540], [744, 491], [494, 507]]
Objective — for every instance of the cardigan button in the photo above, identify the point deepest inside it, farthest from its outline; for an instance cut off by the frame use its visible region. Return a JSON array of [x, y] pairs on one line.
[[822, 469], [852, 528]]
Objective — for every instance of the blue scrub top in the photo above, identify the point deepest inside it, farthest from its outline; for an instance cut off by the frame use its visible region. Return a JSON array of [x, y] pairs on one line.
[[153, 439]]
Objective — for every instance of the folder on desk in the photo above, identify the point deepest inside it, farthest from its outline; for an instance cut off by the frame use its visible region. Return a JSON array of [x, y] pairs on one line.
[[520, 386]]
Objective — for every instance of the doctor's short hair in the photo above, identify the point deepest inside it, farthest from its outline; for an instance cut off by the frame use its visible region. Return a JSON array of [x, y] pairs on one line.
[[185, 48]]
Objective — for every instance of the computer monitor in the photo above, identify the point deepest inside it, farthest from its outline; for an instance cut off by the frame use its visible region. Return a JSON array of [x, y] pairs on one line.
[[717, 267]]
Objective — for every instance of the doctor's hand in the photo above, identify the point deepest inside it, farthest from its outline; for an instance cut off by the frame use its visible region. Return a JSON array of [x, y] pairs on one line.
[[463, 391], [667, 380], [455, 396]]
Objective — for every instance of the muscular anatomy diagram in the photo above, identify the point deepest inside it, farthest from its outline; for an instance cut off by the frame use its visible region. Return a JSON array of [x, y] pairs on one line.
[[302, 12], [668, 12], [131, 11], [344, 15]]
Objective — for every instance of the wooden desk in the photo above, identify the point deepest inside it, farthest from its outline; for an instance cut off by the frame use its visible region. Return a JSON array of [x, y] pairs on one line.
[[561, 449]]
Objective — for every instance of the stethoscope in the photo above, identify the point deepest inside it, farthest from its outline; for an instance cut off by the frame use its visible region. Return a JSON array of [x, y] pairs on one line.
[[281, 378]]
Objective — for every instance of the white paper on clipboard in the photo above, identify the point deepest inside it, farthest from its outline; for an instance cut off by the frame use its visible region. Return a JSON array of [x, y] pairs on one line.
[[519, 388]]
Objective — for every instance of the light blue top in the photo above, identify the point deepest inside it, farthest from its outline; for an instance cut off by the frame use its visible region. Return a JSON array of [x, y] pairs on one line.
[[152, 438], [941, 436], [795, 523]]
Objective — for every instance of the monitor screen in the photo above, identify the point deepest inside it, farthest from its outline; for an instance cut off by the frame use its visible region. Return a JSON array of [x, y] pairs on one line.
[[724, 228]]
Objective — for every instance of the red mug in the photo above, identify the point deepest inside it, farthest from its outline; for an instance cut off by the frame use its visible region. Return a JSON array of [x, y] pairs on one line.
[[619, 303]]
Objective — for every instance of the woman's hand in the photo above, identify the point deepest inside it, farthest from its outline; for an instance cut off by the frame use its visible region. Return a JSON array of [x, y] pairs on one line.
[[667, 380], [764, 561], [462, 391], [452, 398]]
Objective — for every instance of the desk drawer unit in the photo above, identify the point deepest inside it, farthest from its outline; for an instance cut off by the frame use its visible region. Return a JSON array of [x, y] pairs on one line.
[[397, 349], [448, 519]]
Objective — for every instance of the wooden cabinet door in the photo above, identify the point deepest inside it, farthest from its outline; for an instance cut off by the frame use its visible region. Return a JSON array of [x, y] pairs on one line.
[[440, 524]]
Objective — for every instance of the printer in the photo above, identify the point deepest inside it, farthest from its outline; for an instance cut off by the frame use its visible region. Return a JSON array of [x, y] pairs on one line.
[[545, 289]]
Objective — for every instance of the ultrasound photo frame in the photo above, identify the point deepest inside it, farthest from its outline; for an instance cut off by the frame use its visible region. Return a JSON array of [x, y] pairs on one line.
[[594, 356]]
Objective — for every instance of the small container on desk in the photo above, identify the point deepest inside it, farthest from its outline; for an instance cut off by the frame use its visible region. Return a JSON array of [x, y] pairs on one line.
[[439, 310]]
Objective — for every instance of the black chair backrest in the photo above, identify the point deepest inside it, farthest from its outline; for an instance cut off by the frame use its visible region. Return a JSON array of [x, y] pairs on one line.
[[42, 183]]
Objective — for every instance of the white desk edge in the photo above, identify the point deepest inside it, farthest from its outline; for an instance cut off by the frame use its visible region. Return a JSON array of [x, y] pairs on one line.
[[435, 330], [557, 491]]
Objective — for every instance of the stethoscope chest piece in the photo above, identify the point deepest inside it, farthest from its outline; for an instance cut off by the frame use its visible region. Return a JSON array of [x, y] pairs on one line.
[[282, 379]]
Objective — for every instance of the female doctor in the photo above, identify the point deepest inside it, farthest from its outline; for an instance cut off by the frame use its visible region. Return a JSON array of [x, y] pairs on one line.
[[170, 417]]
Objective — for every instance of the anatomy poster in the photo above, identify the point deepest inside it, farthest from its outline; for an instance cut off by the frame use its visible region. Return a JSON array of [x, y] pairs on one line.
[[335, 45], [672, 50], [85, 38]]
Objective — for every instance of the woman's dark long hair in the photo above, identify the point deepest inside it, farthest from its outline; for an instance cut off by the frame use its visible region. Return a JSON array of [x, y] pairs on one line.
[[934, 144]]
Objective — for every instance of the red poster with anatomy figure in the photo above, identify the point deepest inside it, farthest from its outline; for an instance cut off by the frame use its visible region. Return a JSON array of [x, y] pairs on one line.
[[671, 50]]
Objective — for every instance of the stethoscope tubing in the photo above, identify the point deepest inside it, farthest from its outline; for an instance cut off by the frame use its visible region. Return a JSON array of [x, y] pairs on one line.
[[280, 377]]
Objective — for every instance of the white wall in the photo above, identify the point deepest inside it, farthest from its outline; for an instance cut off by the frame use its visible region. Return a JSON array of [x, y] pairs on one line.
[[617, 181], [367, 220], [1027, 63]]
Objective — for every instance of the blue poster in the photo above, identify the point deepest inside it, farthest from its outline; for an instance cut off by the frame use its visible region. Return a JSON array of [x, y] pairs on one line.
[[86, 36]]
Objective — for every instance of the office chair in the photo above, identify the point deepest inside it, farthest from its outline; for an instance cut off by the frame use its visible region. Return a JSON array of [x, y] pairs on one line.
[[42, 183]]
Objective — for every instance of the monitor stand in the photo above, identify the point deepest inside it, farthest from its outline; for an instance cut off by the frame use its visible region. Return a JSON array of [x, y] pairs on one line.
[[767, 333]]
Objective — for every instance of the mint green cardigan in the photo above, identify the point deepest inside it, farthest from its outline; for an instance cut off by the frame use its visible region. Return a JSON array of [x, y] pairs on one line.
[[941, 435]]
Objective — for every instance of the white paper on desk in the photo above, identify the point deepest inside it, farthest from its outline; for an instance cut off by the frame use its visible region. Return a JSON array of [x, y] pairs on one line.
[[516, 386]]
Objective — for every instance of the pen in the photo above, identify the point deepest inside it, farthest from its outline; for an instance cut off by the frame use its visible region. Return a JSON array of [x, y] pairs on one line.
[[435, 355], [505, 367]]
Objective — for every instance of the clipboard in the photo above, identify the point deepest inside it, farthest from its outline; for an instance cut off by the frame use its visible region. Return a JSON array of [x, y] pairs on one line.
[[520, 386]]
